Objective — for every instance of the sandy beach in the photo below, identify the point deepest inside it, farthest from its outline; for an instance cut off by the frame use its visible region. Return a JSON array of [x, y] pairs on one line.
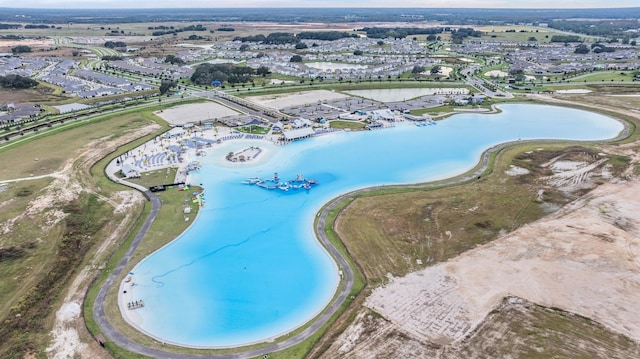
[[259, 149]]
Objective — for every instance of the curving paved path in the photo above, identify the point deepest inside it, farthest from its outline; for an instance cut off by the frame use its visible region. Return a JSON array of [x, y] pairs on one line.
[[112, 334]]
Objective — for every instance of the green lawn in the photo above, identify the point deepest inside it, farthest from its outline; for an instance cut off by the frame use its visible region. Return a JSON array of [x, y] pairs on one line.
[[347, 125], [254, 129], [622, 76]]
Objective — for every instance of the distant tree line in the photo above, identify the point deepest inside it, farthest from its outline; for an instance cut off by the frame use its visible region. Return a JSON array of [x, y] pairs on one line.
[[206, 73], [160, 27], [111, 58], [596, 48], [114, 44], [11, 37], [17, 82], [465, 16], [462, 33], [281, 38], [226, 29], [39, 26], [325, 35], [604, 28], [399, 32], [20, 49], [4, 26], [274, 38], [164, 30], [565, 38]]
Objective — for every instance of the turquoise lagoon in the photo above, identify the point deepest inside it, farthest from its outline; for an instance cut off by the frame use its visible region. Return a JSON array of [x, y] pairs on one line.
[[250, 268]]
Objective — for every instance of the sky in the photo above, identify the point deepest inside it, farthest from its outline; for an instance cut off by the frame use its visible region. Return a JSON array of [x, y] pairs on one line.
[[102, 4]]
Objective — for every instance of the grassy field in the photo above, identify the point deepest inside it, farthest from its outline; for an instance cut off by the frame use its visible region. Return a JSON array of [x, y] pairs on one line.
[[499, 33], [447, 109], [615, 76], [25, 250], [43, 154], [387, 232], [41, 94], [526, 330], [254, 129], [45, 246], [347, 125], [26, 326], [521, 34]]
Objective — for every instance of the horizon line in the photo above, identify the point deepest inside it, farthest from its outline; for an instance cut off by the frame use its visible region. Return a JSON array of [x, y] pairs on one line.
[[321, 8]]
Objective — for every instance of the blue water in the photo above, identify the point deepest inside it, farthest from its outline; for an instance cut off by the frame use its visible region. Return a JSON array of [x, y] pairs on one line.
[[250, 267]]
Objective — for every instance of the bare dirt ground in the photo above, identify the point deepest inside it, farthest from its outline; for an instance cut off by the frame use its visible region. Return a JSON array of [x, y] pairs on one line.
[[583, 260], [69, 336], [280, 101], [38, 95], [207, 111]]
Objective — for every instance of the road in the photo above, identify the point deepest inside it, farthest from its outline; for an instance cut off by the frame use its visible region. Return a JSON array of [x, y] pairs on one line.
[[112, 334], [478, 83]]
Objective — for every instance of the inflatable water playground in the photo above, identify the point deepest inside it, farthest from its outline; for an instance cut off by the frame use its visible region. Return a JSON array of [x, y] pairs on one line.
[[275, 183]]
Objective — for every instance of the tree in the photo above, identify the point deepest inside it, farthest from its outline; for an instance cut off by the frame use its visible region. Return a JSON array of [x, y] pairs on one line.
[[20, 49], [358, 52], [17, 82], [263, 71], [166, 85], [532, 38], [582, 49], [380, 42], [431, 37], [244, 47], [114, 44], [301, 46], [296, 58], [435, 70], [417, 69], [173, 59], [206, 73]]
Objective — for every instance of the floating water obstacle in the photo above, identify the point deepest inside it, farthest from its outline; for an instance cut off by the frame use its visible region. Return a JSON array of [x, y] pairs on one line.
[[300, 182]]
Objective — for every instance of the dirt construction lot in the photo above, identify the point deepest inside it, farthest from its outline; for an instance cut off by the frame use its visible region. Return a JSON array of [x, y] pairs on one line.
[[207, 111], [583, 259]]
